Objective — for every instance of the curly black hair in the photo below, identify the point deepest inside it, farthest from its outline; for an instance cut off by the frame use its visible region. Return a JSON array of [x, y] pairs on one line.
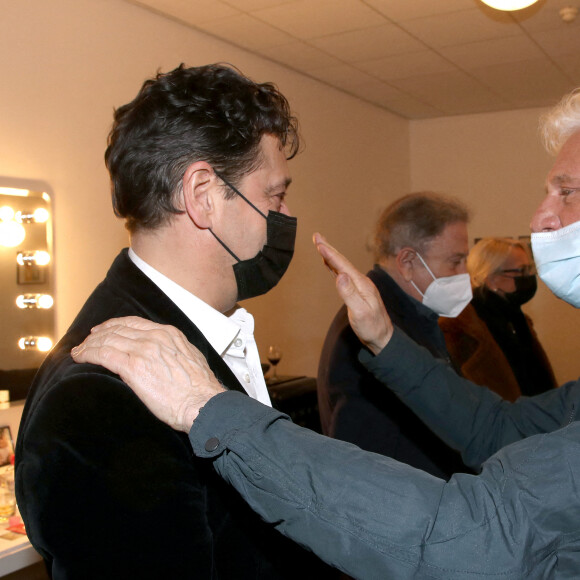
[[210, 113]]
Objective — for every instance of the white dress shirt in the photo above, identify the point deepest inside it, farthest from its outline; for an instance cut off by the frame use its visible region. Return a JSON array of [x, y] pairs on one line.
[[231, 337]]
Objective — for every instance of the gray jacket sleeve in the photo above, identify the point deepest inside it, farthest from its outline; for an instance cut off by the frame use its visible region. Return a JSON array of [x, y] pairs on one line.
[[372, 517], [469, 418]]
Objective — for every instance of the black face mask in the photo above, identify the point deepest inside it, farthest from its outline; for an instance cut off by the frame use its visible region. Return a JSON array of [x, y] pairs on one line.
[[261, 273], [526, 287]]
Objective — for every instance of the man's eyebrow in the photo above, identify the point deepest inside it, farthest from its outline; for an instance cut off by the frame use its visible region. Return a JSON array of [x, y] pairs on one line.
[[564, 178], [283, 184]]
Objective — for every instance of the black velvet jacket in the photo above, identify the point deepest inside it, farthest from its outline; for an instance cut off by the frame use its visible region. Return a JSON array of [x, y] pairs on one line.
[[107, 491], [355, 407]]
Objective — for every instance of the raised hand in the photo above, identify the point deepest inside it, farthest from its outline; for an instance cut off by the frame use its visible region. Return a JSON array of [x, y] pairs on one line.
[[366, 311]]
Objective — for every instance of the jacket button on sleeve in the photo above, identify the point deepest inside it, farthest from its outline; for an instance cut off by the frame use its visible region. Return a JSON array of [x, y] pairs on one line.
[[212, 444]]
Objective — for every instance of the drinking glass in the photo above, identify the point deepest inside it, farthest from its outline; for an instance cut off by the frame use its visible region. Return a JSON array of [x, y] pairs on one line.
[[274, 356]]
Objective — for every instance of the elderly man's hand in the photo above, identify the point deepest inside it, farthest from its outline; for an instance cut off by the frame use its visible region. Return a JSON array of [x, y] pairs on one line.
[[166, 372], [366, 311]]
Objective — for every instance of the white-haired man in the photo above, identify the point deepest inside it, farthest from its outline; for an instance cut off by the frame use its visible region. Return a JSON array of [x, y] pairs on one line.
[[369, 515]]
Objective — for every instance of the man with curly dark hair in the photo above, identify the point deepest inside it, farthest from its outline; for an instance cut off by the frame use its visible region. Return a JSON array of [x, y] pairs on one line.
[[198, 165]]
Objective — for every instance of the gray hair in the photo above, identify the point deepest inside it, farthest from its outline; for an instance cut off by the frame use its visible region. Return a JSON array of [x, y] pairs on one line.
[[561, 122], [414, 220]]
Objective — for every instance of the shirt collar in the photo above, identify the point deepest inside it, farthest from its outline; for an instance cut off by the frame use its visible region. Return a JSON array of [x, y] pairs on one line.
[[219, 330]]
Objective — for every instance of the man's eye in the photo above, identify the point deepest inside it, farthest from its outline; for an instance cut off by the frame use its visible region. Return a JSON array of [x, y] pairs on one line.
[[566, 191]]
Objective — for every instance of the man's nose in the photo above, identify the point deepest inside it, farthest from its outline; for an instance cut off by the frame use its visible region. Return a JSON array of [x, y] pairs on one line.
[[546, 217], [284, 209]]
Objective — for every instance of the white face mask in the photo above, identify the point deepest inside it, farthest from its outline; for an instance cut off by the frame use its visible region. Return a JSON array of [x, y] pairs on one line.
[[446, 296], [557, 257]]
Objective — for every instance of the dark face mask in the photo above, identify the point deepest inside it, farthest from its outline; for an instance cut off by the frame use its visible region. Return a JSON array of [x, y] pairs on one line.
[[261, 273], [526, 287]]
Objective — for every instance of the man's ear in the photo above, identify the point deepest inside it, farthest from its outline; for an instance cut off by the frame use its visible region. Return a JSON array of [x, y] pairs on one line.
[[405, 261], [200, 185]]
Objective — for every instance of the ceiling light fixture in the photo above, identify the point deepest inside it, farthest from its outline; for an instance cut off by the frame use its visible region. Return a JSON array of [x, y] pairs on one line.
[[509, 5]]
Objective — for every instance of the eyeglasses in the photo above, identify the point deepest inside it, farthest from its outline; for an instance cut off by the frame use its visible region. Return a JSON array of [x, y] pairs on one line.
[[516, 272]]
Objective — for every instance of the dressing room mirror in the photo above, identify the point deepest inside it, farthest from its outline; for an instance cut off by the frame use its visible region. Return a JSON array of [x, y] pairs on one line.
[[27, 301]]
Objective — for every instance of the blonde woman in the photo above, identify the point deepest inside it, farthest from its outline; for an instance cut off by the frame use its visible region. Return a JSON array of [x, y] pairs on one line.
[[492, 341]]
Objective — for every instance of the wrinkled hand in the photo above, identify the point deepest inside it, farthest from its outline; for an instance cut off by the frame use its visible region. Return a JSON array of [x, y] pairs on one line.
[[366, 311], [164, 370]]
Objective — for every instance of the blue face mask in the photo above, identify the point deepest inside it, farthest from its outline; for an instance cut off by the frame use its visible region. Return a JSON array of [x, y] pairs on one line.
[[557, 257]]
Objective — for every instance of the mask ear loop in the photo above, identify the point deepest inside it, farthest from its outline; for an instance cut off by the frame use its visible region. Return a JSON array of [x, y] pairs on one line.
[[428, 270], [239, 193], [415, 286], [224, 246], [425, 264], [235, 190]]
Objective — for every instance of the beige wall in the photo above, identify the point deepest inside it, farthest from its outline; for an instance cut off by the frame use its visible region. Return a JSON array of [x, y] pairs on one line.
[[496, 164], [67, 63]]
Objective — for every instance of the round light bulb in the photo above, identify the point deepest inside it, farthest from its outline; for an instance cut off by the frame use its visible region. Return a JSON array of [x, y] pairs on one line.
[[41, 215], [509, 5], [45, 301], [11, 234], [6, 213], [43, 344], [42, 258]]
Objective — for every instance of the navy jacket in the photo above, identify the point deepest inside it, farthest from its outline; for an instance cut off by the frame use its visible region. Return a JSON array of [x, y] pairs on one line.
[[109, 492], [355, 407]]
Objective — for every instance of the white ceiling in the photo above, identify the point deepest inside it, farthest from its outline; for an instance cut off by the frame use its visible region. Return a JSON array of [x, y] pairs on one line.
[[415, 58]]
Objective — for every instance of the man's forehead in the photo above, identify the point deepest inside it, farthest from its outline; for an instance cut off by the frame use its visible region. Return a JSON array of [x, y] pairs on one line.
[[453, 240], [567, 163], [272, 169], [453, 231]]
